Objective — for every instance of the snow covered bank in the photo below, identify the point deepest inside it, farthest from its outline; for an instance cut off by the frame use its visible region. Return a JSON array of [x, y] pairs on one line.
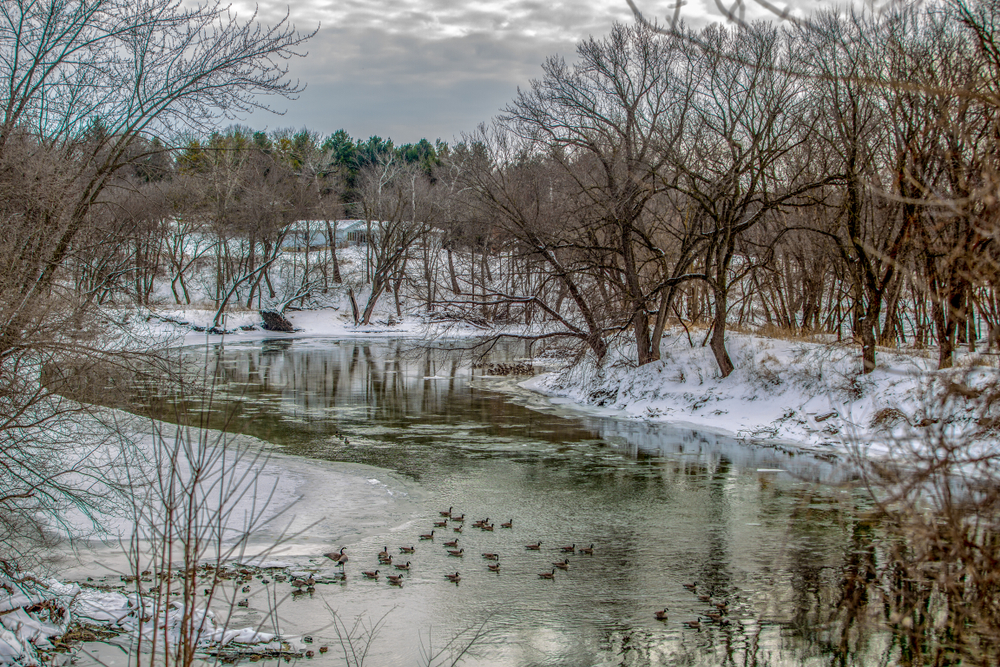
[[191, 326], [787, 390], [35, 613], [32, 612]]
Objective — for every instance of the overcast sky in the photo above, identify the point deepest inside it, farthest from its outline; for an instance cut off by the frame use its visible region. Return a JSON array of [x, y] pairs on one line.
[[412, 69]]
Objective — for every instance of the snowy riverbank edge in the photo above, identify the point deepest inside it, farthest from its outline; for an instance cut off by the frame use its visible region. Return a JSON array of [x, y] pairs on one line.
[[783, 390]]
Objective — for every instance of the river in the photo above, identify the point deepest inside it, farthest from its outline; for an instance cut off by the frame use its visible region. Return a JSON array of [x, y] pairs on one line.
[[389, 435]]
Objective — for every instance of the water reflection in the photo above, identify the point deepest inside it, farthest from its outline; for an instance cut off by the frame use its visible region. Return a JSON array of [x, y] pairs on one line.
[[663, 506]]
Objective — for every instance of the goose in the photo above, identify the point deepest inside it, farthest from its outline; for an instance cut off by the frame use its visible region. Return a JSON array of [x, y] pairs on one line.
[[384, 553], [691, 587], [722, 606], [491, 556], [395, 579], [715, 616], [481, 523], [489, 527], [428, 536], [458, 529], [407, 550], [508, 524], [385, 561], [441, 524], [694, 625], [493, 567], [547, 575], [704, 598], [455, 552], [660, 615], [564, 565], [568, 550], [454, 577], [453, 543], [460, 518], [587, 550], [448, 513], [338, 558], [371, 575], [534, 547], [404, 568]]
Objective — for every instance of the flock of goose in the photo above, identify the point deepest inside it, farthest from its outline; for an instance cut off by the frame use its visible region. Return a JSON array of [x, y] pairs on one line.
[[385, 559], [492, 560], [717, 616]]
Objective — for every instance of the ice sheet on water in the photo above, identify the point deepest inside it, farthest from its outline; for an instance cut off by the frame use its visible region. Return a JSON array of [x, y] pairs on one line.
[[22, 631], [143, 616], [18, 599]]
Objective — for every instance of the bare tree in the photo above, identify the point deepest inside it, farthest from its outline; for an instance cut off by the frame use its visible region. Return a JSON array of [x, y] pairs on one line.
[[84, 82], [523, 195], [396, 202], [607, 121], [737, 163]]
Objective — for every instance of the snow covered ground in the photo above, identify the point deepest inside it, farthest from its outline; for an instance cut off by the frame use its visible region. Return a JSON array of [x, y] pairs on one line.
[[793, 391], [190, 325]]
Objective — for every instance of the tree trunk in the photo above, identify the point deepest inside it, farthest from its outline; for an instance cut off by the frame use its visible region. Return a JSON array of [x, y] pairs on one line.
[[378, 286], [666, 301], [866, 326], [354, 305], [945, 323], [454, 276], [636, 298], [173, 288], [331, 235], [718, 342], [640, 325]]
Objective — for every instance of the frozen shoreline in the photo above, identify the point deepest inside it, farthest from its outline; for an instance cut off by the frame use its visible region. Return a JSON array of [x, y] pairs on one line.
[[799, 392], [313, 507]]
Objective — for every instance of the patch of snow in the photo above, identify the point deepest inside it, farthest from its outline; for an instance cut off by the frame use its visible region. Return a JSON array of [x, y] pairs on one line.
[[37, 611]]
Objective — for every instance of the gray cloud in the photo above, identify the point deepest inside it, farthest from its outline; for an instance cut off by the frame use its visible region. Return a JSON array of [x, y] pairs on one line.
[[423, 68], [409, 69]]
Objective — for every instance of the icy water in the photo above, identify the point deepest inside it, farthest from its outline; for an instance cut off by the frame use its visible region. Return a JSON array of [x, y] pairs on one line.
[[408, 433]]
